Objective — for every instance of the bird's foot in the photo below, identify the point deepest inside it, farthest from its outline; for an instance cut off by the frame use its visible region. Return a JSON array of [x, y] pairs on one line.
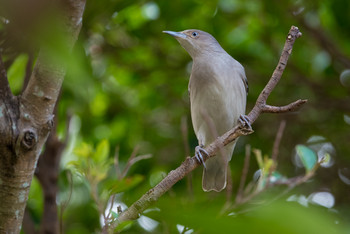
[[244, 123], [199, 150]]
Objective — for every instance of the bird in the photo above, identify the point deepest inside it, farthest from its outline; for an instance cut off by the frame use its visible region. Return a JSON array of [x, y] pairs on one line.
[[218, 89]]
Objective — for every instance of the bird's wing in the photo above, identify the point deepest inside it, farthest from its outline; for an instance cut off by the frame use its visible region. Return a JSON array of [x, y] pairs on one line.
[[245, 81]]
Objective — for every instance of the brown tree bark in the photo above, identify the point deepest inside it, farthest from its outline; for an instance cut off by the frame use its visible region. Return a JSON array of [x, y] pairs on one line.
[[26, 121]]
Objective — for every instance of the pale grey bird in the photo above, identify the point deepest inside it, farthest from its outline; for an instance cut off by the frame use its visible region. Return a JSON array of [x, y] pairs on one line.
[[218, 90]]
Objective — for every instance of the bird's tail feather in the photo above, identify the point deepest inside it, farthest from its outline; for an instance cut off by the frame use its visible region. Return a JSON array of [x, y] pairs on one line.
[[214, 175], [215, 172]]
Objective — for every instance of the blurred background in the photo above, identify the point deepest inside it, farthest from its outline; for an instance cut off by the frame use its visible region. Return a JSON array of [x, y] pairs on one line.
[[126, 89]]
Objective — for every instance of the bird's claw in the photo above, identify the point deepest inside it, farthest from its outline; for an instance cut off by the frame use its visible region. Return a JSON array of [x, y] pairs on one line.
[[244, 122], [198, 154]]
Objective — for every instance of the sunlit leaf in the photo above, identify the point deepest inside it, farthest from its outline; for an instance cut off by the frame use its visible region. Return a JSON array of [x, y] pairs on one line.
[[73, 163], [16, 73], [307, 156], [102, 151], [98, 173], [83, 150]]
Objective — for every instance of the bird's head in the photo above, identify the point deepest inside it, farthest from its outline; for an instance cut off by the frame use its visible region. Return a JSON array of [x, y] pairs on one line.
[[196, 42]]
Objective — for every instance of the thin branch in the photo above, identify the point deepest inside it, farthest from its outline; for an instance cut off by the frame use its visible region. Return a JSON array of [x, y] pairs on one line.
[[275, 150], [128, 164], [293, 34], [191, 163], [291, 183], [277, 141], [244, 174], [133, 161], [116, 162], [282, 109]]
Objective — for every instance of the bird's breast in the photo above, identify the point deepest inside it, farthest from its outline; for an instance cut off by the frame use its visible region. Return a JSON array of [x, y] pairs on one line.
[[218, 95]]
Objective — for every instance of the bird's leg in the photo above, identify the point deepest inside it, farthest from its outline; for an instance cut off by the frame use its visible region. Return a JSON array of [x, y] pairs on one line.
[[199, 150], [244, 122]]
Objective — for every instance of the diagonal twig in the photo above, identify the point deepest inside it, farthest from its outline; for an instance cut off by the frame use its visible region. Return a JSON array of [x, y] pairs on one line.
[[133, 159]]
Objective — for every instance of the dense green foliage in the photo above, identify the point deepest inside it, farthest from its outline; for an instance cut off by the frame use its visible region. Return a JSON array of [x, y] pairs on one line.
[[127, 84]]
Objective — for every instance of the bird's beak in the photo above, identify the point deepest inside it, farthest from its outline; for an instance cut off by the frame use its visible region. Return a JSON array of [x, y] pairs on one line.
[[176, 34]]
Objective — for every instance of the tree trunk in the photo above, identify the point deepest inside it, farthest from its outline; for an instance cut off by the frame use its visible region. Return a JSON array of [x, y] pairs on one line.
[[26, 121]]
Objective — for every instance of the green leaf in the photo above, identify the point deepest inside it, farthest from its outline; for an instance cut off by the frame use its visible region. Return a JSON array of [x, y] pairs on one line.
[[98, 173], [307, 156], [16, 73], [102, 151], [83, 150]]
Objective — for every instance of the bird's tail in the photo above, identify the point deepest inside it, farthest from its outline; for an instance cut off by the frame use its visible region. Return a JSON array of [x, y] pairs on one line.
[[215, 172]]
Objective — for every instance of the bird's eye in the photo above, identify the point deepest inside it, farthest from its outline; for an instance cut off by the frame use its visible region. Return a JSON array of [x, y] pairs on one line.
[[194, 34]]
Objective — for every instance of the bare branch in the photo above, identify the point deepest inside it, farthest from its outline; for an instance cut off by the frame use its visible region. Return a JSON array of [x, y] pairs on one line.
[[293, 34], [128, 164], [116, 161], [282, 109], [191, 163], [275, 148], [277, 142], [244, 174], [133, 161]]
